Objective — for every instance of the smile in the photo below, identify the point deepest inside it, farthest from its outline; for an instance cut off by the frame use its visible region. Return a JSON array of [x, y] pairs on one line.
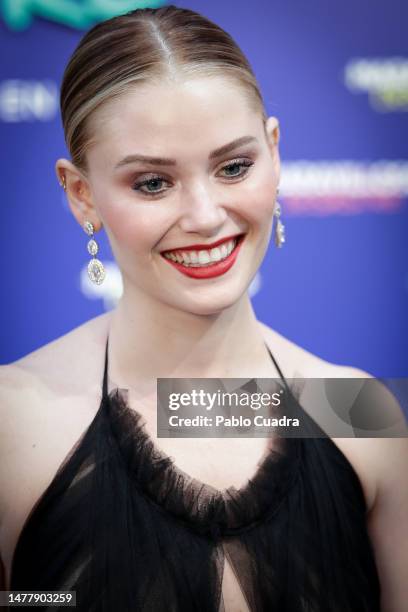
[[203, 257], [206, 263]]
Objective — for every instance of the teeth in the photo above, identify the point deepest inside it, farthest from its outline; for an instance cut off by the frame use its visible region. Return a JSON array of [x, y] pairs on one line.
[[215, 254], [204, 257], [201, 258]]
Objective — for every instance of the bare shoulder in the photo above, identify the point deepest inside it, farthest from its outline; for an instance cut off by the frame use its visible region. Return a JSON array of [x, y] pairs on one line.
[[373, 459], [65, 369], [46, 400], [48, 366]]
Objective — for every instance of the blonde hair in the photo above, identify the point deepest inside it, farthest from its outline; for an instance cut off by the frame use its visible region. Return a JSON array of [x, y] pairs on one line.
[[144, 45]]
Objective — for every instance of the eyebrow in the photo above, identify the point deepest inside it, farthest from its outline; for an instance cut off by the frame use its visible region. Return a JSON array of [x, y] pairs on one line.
[[165, 161]]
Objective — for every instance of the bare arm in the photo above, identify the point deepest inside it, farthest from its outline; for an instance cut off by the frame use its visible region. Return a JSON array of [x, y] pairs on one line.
[[9, 384], [388, 523]]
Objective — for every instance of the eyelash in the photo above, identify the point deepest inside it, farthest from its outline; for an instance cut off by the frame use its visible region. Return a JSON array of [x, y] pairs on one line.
[[246, 163]]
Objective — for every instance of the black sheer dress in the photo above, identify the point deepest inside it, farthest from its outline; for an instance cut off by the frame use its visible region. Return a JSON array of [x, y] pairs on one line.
[[129, 531]]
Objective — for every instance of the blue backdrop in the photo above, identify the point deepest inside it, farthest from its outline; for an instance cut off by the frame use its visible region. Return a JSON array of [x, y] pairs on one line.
[[335, 74]]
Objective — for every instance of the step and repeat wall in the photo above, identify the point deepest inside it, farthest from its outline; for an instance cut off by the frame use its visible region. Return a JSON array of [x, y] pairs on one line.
[[336, 76]]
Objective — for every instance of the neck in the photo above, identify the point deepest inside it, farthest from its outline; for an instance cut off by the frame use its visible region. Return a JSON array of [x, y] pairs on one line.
[[150, 340]]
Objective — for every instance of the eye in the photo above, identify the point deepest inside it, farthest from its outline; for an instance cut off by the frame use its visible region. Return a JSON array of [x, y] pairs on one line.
[[234, 167], [151, 184]]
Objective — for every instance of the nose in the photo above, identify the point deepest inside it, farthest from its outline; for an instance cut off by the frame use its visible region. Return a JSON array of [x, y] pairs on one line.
[[202, 213]]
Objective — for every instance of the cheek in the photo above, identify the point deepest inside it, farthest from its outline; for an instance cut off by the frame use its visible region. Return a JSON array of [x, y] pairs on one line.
[[133, 227], [258, 197]]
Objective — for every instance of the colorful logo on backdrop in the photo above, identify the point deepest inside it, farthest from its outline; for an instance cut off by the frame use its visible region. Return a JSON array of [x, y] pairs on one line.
[[385, 80], [344, 187], [78, 14]]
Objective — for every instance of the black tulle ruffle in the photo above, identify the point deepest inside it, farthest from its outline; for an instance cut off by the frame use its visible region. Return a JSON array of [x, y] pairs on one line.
[[198, 506]]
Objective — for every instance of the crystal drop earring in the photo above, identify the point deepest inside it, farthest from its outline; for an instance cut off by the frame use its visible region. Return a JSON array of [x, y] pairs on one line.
[[280, 228], [96, 270]]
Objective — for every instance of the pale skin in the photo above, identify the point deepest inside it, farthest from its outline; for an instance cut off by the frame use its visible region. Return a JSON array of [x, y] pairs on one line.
[[169, 325]]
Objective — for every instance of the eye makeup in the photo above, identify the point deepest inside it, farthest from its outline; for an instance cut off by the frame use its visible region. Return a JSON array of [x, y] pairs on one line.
[[151, 179]]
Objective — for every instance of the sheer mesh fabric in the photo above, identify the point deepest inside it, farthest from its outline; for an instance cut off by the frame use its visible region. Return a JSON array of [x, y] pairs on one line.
[[129, 531]]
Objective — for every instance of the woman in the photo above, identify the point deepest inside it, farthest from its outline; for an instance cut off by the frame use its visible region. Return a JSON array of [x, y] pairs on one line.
[[171, 149]]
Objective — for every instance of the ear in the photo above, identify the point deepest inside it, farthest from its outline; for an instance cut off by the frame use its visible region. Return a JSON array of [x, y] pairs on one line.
[[272, 133], [78, 193]]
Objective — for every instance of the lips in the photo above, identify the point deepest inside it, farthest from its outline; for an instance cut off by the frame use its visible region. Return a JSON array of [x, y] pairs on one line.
[[204, 247], [210, 270]]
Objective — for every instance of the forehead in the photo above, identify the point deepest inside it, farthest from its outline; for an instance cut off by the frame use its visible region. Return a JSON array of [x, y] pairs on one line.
[[193, 113]]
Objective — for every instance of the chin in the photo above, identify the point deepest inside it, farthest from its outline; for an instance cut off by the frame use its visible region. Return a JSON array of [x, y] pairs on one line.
[[212, 305]]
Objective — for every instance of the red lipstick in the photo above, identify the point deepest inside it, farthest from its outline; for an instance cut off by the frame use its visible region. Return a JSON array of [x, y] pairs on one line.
[[206, 247], [213, 268]]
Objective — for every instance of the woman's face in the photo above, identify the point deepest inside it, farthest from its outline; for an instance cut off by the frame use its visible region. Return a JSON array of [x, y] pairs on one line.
[[193, 196]]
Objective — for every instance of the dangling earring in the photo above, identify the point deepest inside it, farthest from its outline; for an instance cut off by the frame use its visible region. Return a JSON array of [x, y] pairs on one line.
[[96, 270], [280, 228]]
